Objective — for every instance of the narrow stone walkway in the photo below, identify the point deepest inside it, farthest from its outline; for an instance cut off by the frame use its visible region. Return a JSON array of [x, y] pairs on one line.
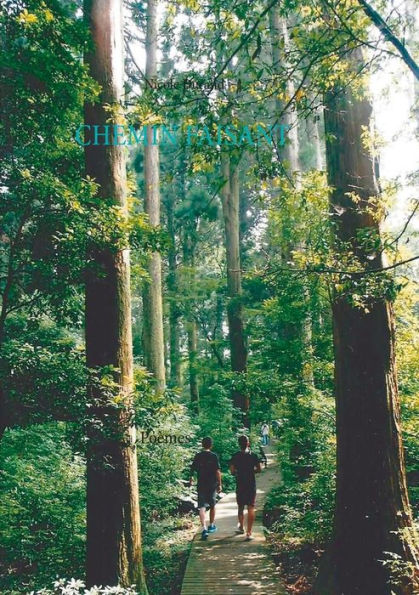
[[226, 563]]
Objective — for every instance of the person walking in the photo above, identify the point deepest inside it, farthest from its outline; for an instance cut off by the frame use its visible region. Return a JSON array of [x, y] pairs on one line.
[[207, 468], [244, 465], [265, 434]]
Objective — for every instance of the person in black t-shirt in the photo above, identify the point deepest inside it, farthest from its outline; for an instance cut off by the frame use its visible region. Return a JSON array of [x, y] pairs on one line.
[[244, 465], [208, 471]]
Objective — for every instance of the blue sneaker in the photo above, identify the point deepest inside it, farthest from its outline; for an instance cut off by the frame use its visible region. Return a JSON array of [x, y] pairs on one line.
[[212, 529], [204, 535]]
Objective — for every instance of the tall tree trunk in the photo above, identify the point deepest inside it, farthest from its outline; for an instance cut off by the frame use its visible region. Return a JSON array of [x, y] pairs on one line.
[[174, 312], [372, 514], [152, 293], [289, 152], [193, 356], [189, 247], [218, 329], [230, 204], [313, 137], [113, 518], [312, 130], [307, 341]]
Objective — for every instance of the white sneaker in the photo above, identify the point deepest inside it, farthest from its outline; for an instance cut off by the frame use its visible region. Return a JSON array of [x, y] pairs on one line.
[[249, 537]]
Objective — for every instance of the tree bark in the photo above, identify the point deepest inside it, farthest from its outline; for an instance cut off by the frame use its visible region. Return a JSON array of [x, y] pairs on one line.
[[313, 136], [389, 36], [230, 204], [152, 294], [218, 335], [307, 341], [114, 553], [193, 356], [189, 247], [372, 514], [174, 311], [289, 152]]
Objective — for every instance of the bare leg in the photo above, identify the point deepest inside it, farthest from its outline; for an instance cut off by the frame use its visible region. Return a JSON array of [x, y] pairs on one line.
[[250, 519], [212, 515], [241, 517], [202, 515]]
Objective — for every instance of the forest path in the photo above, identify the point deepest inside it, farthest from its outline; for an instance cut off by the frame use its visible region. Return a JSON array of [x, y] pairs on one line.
[[226, 563]]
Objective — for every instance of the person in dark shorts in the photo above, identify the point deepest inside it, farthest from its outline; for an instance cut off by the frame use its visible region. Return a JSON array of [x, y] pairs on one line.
[[208, 471], [244, 465]]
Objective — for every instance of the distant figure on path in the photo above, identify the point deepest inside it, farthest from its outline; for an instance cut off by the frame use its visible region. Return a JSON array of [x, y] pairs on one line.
[[244, 465], [207, 467], [264, 430]]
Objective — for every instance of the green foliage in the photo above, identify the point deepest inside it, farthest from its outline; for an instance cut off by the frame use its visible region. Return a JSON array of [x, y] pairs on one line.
[[216, 418], [302, 508], [44, 83], [164, 463], [50, 216], [42, 508], [42, 372]]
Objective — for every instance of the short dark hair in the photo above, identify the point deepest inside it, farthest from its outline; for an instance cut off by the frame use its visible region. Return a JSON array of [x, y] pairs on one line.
[[207, 442], [243, 441]]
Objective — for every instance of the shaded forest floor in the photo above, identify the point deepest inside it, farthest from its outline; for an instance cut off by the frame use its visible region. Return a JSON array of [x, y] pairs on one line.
[[296, 558], [166, 550], [298, 564]]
